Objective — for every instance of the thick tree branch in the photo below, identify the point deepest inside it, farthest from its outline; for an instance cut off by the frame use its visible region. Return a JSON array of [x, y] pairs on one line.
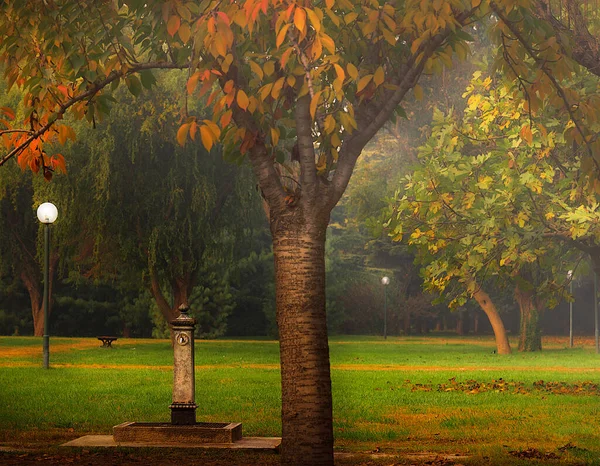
[[372, 116], [584, 48], [308, 170], [160, 299]]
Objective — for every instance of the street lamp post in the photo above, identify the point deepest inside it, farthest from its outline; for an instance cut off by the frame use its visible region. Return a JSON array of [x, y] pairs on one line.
[[570, 277], [46, 214], [385, 281]]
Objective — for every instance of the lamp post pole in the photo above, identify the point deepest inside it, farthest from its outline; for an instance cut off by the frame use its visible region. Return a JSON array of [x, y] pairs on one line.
[[570, 277], [46, 294], [385, 281], [46, 214]]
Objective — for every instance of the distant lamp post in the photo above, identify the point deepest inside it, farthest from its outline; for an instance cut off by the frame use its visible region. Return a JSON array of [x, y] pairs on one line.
[[46, 214], [385, 281], [570, 277]]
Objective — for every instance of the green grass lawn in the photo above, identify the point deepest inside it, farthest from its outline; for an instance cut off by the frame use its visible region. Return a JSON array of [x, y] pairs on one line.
[[386, 393]]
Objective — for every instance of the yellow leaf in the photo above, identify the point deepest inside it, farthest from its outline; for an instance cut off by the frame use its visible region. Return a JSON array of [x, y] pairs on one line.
[[242, 100], [329, 124], [300, 19], [316, 49], [340, 72], [350, 17], [291, 80], [269, 68], [329, 3], [213, 128], [418, 90], [313, 104], [265, 91], [328, 43], [281, 35], [256, 69], [220, 45], [184, 32], [333, 17], [192, 82], [352, 71], [173, 25], [314, 19], [226, 63], [207, 137], [182, 133], [389, 37], [362, 83], [277, 88], [379, 76], [335, 140], [274, 136]]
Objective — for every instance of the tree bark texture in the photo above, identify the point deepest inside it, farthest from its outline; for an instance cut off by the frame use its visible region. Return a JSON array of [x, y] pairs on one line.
[[31, 278], [486, 304], [35, 297], [299, 254], [530, 337]]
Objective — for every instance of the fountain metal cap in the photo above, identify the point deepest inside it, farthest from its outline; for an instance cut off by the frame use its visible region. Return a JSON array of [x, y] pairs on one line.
[[184, 319]]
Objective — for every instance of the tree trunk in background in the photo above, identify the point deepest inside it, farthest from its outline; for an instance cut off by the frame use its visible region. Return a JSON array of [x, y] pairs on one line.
[[406, 323], [35, 297], [460, 323], [168, 312], [299, 254], [484, 301], [32, 279], [476, 323], [530, 337]]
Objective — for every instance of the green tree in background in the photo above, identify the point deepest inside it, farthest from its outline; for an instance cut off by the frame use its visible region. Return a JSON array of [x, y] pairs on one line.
[[489, 204]]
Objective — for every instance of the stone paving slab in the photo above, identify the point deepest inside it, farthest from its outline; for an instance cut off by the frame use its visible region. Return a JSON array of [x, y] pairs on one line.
[[246, 443]]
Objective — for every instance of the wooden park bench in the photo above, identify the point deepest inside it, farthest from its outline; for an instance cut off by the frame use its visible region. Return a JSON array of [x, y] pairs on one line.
[[107, 341]]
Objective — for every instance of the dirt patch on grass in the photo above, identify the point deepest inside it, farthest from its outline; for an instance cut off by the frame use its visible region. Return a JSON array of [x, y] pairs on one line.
[[27, 351]]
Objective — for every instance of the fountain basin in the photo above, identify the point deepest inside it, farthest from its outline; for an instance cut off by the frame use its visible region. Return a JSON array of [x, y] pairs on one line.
[[166, 433]]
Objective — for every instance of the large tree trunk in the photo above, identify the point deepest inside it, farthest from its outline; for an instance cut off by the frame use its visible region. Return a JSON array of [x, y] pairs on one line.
[[530, 337], [484, 301], [299, 253]]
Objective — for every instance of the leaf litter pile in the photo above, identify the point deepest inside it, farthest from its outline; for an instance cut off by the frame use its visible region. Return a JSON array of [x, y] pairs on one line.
[[473, 387]]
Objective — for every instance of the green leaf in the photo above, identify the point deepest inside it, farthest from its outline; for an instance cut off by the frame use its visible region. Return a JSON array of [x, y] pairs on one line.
[[148, 79], [401, 112], [134, 85]]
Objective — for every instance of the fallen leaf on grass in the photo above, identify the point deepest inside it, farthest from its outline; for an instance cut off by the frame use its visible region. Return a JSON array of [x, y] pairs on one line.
[[474, 387], [532, 453]]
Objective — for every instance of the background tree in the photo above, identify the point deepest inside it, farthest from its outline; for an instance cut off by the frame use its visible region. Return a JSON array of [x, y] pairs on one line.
[[486, 200]]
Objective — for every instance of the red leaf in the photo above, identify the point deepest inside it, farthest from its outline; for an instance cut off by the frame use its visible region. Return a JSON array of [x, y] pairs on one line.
[[173, 25]]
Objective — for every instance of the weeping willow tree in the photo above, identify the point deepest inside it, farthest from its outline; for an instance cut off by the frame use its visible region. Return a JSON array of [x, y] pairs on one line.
[[154, 211]]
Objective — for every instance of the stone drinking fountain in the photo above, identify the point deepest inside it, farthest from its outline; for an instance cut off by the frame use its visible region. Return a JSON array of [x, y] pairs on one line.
[[183, 427]]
